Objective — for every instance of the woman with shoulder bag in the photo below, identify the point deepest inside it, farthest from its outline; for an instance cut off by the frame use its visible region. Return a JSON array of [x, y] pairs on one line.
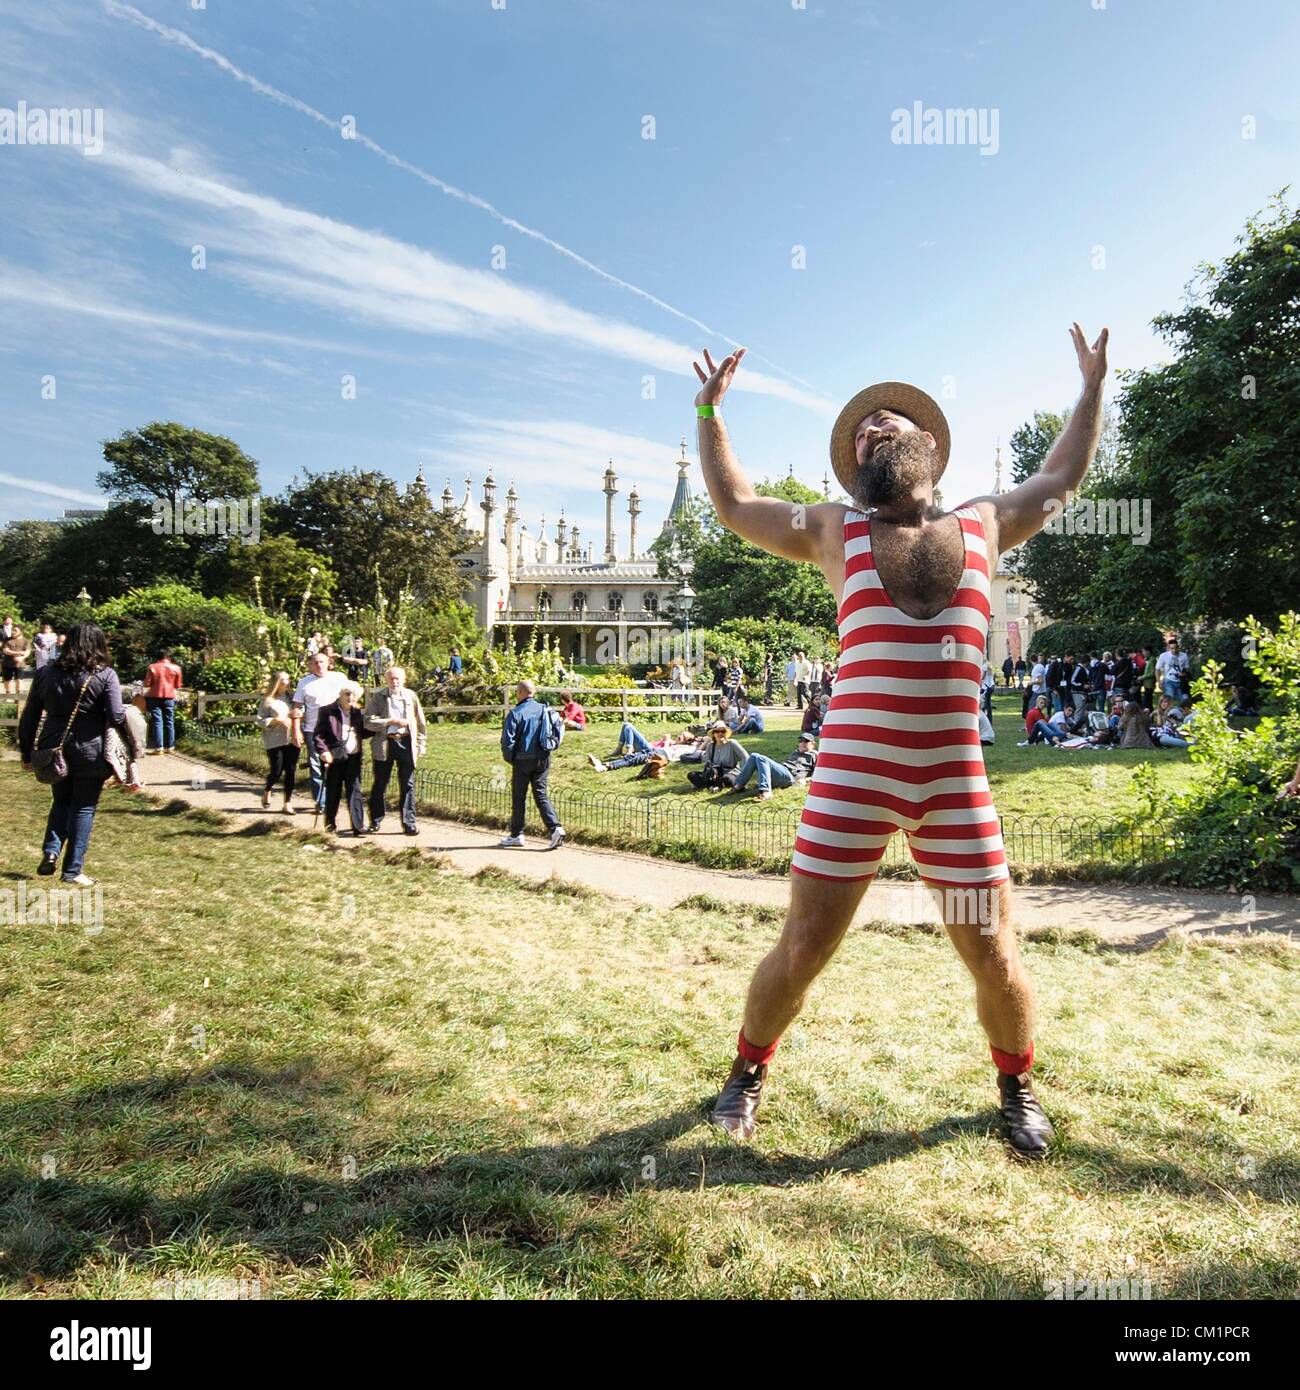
[[72, 706]]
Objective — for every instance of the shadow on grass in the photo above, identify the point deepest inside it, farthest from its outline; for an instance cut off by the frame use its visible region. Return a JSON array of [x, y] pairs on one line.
[[520, 1201]]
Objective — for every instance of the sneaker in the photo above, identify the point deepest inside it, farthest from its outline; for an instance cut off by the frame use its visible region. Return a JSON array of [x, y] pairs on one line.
[[47, 866], [557, 837], [595, 762], [511, 842], [1024, 743], [373, 827], [81, 881], [410, 830]]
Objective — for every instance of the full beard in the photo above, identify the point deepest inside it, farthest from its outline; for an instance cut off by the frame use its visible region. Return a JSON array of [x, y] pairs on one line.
[[894, 470]]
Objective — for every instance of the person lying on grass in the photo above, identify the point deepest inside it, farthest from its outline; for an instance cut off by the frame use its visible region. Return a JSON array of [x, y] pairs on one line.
[[798, 767], [634, 749]]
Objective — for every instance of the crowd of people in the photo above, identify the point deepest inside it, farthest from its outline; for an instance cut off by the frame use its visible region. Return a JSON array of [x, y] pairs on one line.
[[1110, 700]]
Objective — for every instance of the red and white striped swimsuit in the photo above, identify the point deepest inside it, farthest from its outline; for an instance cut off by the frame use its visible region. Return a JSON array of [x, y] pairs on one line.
[[900, 747]]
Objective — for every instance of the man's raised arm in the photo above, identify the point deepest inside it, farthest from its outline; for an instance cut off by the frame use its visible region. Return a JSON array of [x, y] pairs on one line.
[[780, 527], [1026, 509]]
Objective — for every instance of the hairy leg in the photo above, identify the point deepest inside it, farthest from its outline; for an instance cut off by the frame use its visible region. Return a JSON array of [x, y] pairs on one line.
[[819, 915], [979, 924]]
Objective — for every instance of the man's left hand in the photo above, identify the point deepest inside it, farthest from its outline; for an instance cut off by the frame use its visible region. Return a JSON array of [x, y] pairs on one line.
[[1092, 360]]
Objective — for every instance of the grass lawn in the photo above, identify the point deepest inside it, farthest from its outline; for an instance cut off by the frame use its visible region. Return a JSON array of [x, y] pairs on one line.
[[346, 1077], [1037, 781], [1051, 800]]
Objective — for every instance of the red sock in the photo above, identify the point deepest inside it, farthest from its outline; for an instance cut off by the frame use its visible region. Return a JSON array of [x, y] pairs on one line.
[[751, 1053], [1012, 1063]]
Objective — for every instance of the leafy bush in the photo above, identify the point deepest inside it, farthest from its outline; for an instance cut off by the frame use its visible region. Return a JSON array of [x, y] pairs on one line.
[[9, 606], [239, 671], [142, 623], [1233, 831], [751, 638]]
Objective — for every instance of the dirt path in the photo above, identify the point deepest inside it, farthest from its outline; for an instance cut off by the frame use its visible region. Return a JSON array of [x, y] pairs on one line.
[[1122, 914]]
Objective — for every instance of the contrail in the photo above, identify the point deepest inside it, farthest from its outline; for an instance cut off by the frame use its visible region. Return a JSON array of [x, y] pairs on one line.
[[64, 494], [123, 11]]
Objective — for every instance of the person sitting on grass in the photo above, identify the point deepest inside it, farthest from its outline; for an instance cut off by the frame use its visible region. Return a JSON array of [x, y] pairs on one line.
[[1169, 733], [1109, 736], [815, 715], [1134, 725], [671, 747], [573, 714], [748, 718], [798, 767], [1037, 725], [1244, 705], [723, 757]]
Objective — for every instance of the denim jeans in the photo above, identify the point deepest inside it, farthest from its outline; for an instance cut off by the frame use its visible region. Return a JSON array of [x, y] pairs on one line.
[[162, 722], [1044, 733], [752, 725], [72, 814], [769, 773], [627, 760], [316, 772], [633, 736]]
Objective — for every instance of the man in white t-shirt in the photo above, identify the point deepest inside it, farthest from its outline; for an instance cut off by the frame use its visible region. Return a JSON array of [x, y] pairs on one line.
[[1171, 665], [791, 677], [1037, 686], [318, 688]]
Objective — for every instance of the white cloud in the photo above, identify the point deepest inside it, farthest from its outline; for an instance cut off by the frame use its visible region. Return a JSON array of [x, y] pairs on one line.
[[294, 254], [182, 40]]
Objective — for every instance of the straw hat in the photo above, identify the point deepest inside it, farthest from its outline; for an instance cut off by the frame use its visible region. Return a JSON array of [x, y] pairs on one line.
[[921, 409]]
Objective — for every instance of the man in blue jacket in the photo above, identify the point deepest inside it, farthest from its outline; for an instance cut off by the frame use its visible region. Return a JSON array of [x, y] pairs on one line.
[[528, 735]]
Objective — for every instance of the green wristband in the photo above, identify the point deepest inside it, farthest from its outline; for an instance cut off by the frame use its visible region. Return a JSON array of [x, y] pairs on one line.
[[705, 412]]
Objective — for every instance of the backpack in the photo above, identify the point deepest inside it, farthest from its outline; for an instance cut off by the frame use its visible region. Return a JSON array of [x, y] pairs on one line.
[[553, 733]]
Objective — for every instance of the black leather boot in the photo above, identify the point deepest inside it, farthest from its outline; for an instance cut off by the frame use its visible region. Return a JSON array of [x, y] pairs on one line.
[[738, 1103], [1024, 1125]]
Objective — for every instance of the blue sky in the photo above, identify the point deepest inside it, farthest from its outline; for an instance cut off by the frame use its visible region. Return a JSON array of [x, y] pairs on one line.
[[1119, 128]]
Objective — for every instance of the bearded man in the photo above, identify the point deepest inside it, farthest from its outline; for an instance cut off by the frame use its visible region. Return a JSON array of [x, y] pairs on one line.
[[900, 744]]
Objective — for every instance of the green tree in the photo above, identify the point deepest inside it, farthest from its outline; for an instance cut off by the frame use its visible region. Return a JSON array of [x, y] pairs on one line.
[[375, 535], [24, 546], [1213, 437], [1061, 565], [277, 571], [735, 579], [165, 458], [107, 555]]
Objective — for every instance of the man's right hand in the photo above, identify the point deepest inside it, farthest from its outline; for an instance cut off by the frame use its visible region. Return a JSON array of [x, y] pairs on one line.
[[718, 378]]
